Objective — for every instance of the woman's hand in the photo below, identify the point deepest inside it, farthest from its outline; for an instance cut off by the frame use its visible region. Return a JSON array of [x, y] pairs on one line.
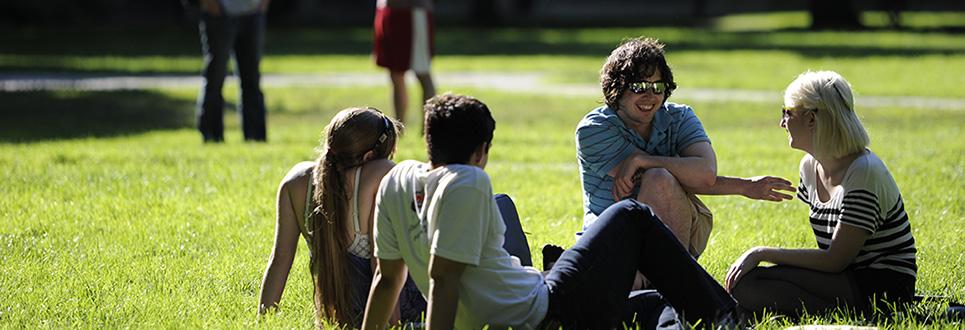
[[745, 263], [767, 188]]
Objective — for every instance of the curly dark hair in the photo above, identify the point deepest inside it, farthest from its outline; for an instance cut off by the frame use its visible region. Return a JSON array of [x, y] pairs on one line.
[[455, 125], [627, 62]]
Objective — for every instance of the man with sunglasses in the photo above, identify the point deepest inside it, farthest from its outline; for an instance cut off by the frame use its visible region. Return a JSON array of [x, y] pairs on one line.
[[639, 146], [439, 222]]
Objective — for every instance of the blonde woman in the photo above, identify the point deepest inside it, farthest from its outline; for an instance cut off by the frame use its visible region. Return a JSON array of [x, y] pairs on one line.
[[330, 202], [866, 251]]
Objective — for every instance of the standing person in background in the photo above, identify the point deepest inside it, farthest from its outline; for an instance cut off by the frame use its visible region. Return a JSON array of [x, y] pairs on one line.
[[403, 41], [232, 26]]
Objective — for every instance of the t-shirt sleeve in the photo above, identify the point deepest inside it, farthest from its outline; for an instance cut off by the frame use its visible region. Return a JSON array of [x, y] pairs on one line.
[[859, 208], [600, 147], [802, 193], [691, 130], [459, 225], [386, 242], [802, 190]]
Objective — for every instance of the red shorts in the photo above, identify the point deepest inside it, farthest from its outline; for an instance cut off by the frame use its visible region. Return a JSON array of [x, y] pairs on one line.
[[396, 46]]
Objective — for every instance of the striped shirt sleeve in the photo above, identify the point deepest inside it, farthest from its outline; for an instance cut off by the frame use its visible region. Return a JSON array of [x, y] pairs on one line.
[[601, 147], [691, 130], [802, 192], [860, 208]]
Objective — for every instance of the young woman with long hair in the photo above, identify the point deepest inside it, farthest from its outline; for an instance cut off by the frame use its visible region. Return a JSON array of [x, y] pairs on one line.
[[865, 251], [331, 203]]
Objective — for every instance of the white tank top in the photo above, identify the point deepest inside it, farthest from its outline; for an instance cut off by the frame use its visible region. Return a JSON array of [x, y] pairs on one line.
[[361, 243]]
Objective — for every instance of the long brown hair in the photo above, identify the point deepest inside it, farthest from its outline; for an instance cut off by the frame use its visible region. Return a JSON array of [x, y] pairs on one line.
[[348, 137]]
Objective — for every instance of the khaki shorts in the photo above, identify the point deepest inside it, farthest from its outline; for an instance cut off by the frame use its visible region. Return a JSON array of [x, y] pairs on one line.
[[703, 223]]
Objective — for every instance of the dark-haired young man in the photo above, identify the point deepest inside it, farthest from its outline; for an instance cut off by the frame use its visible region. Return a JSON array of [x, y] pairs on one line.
[[640, 146], [438, 220]]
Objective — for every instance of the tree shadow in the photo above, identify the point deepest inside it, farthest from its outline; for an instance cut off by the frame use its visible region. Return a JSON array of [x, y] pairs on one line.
[[449, 41], [40, 116], [56, 47]]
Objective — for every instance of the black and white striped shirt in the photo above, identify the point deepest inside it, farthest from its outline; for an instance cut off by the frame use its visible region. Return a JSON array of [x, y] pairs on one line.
[[868, 198]]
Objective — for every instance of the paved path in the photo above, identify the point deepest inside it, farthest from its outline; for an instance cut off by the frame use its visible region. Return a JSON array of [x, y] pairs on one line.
[[531, 82]]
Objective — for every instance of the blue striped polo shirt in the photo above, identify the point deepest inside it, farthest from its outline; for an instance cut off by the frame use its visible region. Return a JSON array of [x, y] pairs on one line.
[[603, 141]]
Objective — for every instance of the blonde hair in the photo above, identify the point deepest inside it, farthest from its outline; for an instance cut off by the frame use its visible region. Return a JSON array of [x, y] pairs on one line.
[[348, 137], [838, 131]]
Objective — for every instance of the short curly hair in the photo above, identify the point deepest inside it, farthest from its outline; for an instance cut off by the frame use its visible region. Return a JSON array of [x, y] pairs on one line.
[[627, 62], [455, 125]]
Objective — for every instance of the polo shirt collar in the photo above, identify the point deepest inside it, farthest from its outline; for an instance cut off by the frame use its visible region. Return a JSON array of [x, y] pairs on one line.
[[660, 124], [659, 127]]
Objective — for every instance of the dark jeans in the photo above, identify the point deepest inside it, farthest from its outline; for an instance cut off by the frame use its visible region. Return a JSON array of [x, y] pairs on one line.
[[220, 36], [412, 306], [590, 283], [515, 239]]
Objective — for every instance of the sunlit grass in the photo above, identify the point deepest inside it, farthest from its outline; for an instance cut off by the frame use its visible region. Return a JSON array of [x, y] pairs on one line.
[[156, 229], [113, 220]]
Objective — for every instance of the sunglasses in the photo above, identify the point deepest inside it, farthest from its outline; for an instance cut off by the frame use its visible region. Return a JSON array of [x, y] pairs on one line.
[[787, 112], [657, 87]]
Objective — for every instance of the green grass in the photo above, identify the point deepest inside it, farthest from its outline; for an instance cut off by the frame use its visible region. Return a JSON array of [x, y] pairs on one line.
[[743, 51], [115, 215], [155, 229]]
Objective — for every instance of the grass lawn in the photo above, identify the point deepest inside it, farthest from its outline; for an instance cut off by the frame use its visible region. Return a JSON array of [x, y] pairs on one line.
[[115, 215]]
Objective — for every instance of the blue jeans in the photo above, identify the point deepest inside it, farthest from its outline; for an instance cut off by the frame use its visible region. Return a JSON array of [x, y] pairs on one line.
[[220, 36], [590, 283]]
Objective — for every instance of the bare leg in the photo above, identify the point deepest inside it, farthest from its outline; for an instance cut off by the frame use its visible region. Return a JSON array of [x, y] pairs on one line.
[[400, 100], [791, 290], [428, 88], [662, 192]]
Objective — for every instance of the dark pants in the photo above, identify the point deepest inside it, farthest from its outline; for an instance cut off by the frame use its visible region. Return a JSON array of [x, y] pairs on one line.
[[220, 36], [590, 283]]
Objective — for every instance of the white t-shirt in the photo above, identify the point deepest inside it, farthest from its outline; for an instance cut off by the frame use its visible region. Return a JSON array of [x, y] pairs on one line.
[[450, 212]]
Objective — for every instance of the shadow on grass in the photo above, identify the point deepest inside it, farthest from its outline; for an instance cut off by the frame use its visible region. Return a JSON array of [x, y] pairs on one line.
[[39, 116], [458, 41]]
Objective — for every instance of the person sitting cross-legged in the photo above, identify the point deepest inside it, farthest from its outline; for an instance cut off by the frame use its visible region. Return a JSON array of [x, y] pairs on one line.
[[640, 146], [438, 222], [865, 255]]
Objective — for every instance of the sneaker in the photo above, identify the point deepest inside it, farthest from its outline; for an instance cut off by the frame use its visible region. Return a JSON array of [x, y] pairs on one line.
[[551, 253], [955, 312], [730, 319]]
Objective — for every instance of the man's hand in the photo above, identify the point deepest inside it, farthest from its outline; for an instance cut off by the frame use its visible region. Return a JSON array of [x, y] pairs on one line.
[[212, 7], [625, 177], [767, 188]]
